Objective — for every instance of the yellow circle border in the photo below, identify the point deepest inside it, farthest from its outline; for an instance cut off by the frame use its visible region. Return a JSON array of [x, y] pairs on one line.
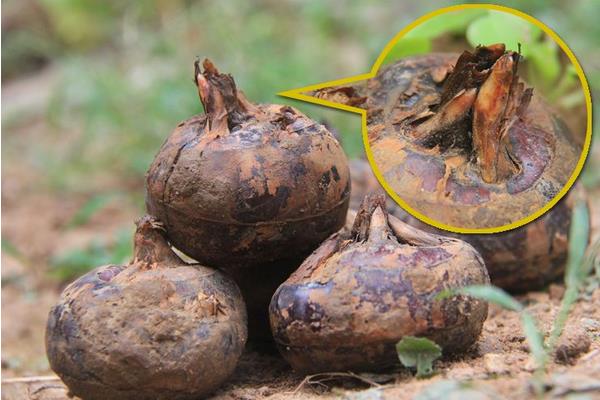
[[299, 95]]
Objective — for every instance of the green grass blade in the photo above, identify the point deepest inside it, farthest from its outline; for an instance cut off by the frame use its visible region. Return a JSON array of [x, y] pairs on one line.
[[578, 267], [577, 270], [488, 293]]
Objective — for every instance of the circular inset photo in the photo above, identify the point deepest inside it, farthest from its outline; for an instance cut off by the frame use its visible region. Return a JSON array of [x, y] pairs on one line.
[[478, 119]]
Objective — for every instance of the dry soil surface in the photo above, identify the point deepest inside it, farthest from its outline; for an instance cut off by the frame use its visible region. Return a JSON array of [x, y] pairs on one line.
[[498, 366]]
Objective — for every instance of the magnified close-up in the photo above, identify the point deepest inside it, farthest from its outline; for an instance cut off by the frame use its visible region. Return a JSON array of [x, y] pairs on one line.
[[462, 138]]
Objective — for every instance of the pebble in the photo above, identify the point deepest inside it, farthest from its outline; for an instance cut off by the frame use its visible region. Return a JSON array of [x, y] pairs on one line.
[[516, 338], [556, 292], [524, 347], [489, 344], [494, 364], [461, 373], [573, 342], [530, 365], [590, 324]]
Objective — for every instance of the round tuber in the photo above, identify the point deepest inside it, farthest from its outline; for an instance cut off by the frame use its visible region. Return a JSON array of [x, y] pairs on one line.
[[362, 291], [246, 184], [157, 328]]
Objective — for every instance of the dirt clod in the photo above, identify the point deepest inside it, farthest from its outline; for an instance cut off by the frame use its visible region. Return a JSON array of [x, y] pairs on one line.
[[573, 342], [556, 292], [494, 364], [590, 324]]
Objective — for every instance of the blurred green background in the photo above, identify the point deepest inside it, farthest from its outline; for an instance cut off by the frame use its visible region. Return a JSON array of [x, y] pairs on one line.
[[92, 88]]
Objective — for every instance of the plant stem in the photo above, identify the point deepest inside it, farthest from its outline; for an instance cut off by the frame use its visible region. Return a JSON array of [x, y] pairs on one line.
[[223, 104], [149, 244], [578, 267], [569, 298]]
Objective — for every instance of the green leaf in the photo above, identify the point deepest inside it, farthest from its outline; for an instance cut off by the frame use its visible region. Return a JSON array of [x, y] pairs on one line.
[[578, 266], [408, 47], [501, 27], [545, 60], [484, 292], [452, 22], [595, 258], [419, 353], [577, 270]]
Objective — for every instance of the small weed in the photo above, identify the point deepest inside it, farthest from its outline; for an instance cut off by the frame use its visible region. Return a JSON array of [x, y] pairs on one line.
[[419, 353], [579, 266]]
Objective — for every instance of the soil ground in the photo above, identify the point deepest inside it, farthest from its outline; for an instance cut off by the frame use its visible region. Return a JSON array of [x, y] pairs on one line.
[[498, 366]]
